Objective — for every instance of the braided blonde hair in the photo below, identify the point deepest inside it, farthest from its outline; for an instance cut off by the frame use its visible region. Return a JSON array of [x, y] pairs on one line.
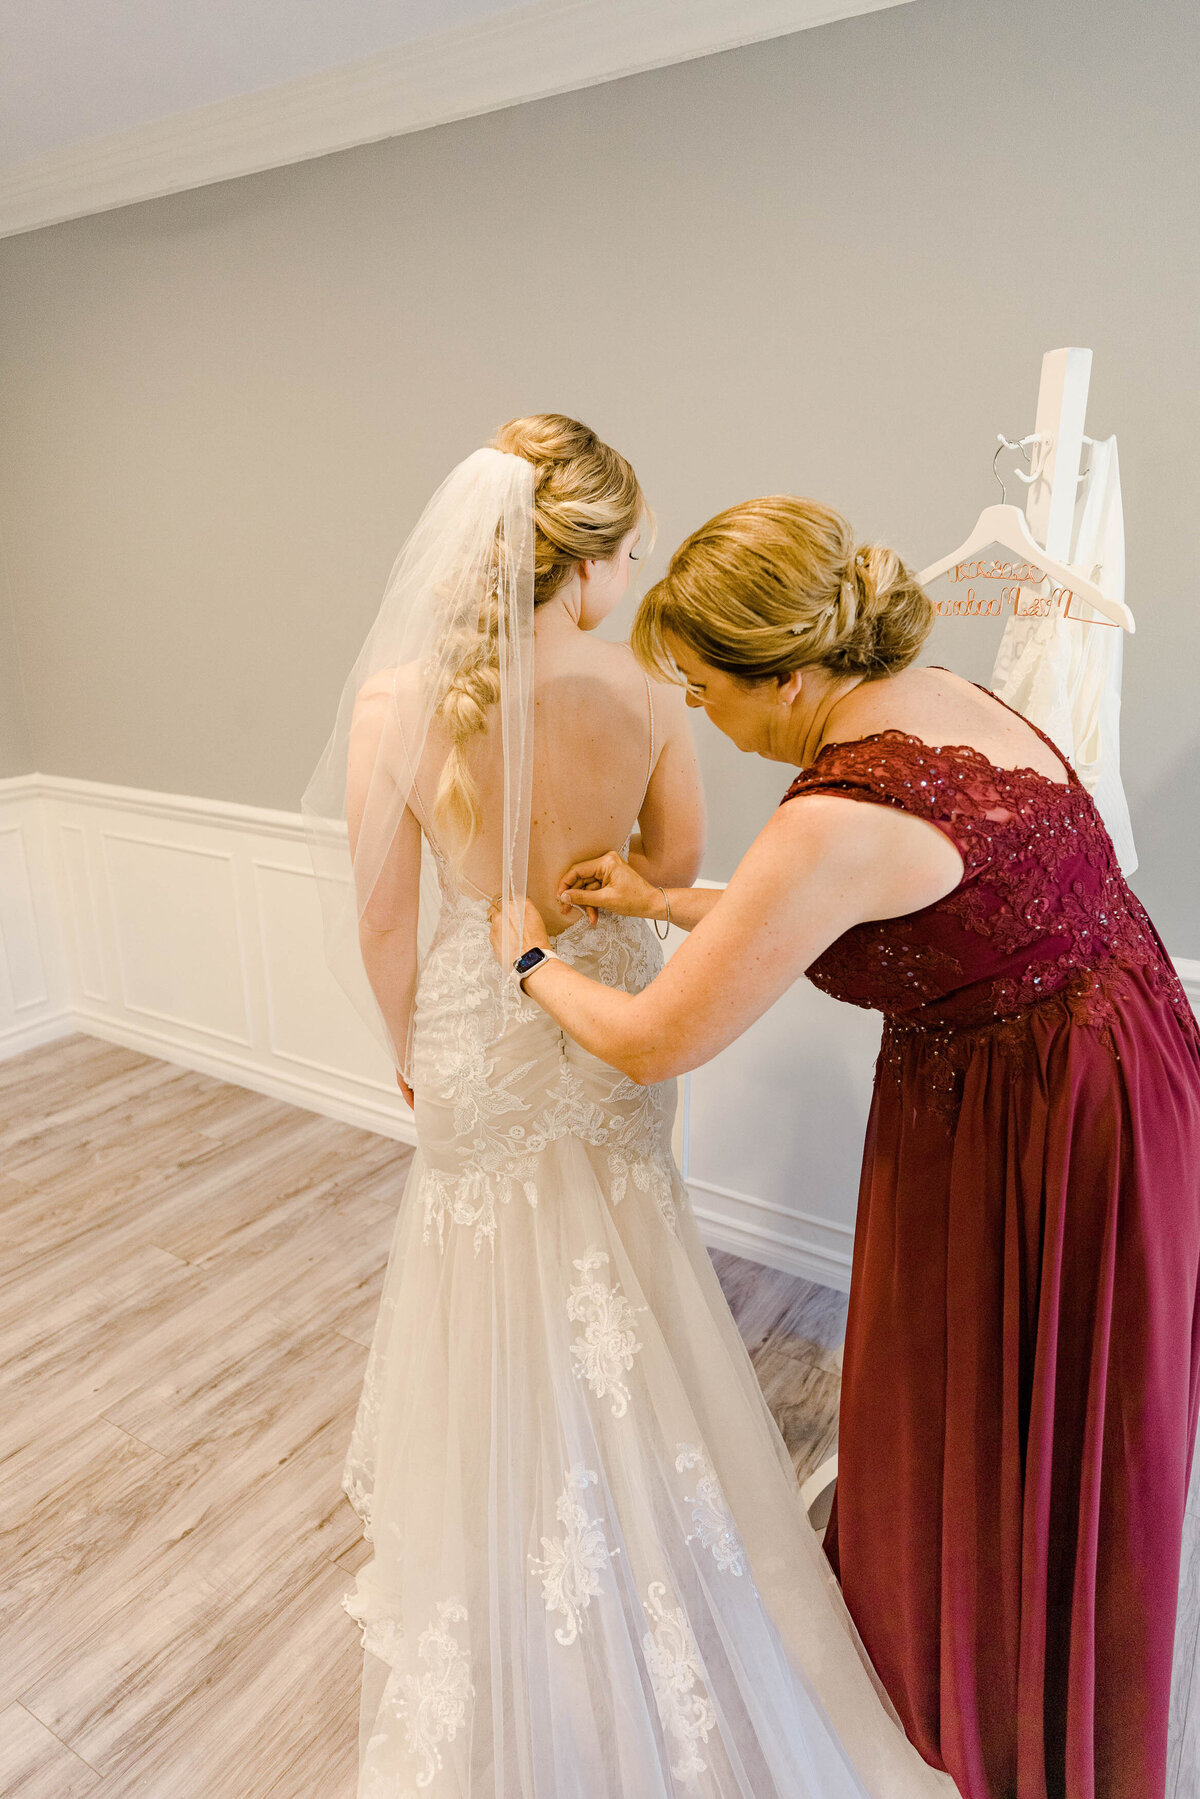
[[586, 500], [778, 584]]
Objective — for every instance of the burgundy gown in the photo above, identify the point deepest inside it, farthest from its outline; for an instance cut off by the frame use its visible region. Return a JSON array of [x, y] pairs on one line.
[[1022, 1361]]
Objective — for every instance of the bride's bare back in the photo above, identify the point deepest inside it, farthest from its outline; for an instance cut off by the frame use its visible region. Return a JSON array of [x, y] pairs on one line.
[[611, 750], [600, 729]]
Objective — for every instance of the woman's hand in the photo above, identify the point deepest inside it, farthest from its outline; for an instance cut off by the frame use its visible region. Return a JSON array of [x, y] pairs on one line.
[[609, 883], [533, 934], [406, 1090]]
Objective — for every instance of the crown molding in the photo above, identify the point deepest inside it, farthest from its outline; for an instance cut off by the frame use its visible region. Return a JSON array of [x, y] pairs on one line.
[[547, 48]]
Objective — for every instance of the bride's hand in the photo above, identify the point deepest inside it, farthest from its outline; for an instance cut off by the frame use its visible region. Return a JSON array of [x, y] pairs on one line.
[[533, 935], [609, 883]]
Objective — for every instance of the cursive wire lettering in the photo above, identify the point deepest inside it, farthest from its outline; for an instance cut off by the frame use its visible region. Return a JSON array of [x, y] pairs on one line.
[[1012, 596], [995, 571]]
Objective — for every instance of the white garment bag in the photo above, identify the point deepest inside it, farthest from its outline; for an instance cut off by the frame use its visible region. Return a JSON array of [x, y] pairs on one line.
[[1063, 671]]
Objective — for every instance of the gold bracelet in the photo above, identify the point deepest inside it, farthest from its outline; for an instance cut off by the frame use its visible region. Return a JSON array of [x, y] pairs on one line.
[[666, 931]]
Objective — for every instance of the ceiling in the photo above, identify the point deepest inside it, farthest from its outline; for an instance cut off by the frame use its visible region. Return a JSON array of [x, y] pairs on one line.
[[69, 72], [107, 102]]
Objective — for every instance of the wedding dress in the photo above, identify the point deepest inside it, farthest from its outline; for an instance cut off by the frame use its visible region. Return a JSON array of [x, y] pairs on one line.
[[1062, 671], [592, 1576], [592, 1573]]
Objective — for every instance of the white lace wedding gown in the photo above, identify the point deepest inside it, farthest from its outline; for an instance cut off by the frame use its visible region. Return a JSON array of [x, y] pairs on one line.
[[592, 1575]]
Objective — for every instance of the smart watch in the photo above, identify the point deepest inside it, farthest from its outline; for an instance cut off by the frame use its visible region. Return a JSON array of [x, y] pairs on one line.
[[529, 960]]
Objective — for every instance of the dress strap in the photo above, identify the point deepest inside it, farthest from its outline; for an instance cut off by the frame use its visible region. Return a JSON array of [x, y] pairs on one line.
[[650, 751]]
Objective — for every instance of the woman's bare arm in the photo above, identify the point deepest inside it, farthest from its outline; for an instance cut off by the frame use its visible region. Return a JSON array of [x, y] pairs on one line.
[[387, 926], [609, 884], [821, 865], [670, 839]]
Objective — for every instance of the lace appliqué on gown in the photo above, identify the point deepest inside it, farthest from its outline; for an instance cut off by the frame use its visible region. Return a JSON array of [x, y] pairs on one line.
[[606, 1349], [460, 1017], [436, 1700], [713, 1521], [571, 1565], [497, 1134], [358, 1474], [431, 1703], [383, 1637], [675, 1673]]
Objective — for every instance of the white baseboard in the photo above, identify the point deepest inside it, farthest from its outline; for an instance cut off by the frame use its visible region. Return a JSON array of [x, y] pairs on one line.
[[16, 1039], [310, 1096], [189, 929], [818, 1249]]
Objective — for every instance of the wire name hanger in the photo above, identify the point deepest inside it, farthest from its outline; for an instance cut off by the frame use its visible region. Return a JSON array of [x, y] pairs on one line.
[[1064, 382]]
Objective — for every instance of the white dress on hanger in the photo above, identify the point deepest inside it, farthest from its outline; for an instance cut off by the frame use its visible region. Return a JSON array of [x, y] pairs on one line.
[[1064, 675]]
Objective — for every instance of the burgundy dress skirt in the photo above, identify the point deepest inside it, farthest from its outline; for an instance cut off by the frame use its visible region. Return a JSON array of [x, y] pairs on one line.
[[1022, 1361]]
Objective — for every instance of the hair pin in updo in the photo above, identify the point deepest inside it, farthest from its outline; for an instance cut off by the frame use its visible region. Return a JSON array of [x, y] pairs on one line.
[[800, 627]]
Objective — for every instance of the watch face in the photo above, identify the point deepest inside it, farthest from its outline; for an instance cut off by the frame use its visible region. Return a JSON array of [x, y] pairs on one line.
[[529, 960]]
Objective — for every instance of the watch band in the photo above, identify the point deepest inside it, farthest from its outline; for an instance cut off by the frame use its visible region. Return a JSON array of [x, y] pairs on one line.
[[529, 960]]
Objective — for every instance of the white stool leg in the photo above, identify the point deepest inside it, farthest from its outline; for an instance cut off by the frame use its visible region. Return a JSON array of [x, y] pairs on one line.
[[819, 1483]]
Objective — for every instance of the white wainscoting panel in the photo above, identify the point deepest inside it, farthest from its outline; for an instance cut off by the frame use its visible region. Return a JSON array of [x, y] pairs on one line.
[[308, 1020], [776, 1136], [23, 971], [773, 1140], [190, 929], [192, 932], [33, 996], [179, 937], [82, 912]]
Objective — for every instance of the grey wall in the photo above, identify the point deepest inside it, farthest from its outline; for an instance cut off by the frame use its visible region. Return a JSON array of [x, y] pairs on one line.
[[828, 264]]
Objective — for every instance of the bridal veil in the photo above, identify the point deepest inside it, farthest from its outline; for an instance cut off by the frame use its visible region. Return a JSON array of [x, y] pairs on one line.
[[451, 649]]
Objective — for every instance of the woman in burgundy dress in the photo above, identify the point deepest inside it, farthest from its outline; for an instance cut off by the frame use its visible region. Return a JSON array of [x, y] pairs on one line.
[[1022, 1361]]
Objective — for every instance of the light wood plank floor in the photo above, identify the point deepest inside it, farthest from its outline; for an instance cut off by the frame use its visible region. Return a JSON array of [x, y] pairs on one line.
[[190, 1274]]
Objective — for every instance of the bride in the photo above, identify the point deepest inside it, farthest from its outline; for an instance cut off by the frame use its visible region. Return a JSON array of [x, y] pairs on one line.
[[592, 1576]]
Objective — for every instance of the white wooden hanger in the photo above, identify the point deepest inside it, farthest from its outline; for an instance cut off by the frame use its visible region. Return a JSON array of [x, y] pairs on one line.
[[1005, 525], [1061, 402]]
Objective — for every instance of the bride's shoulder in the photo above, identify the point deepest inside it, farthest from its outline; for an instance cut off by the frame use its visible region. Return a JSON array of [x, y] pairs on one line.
[[400, 684], [618, 663], [595, 660], [628, 685], [607, 653], [376, 687]]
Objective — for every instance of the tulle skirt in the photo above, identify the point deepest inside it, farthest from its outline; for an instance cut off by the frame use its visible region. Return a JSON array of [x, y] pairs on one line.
[[592, 1575]]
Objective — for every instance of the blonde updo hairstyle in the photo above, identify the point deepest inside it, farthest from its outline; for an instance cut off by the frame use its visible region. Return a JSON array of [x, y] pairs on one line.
[[778, 584], [586, 500]]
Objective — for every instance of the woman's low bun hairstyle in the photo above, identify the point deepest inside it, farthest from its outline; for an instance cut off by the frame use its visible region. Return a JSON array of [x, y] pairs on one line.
[[586, 497], [777, 584]]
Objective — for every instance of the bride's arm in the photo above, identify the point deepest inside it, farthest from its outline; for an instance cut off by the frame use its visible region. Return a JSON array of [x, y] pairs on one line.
[[387, 926], [670, 842], [820, 865]]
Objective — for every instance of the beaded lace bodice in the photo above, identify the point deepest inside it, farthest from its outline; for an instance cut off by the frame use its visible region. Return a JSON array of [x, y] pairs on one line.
[[494, 1089], [1042, 911]]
